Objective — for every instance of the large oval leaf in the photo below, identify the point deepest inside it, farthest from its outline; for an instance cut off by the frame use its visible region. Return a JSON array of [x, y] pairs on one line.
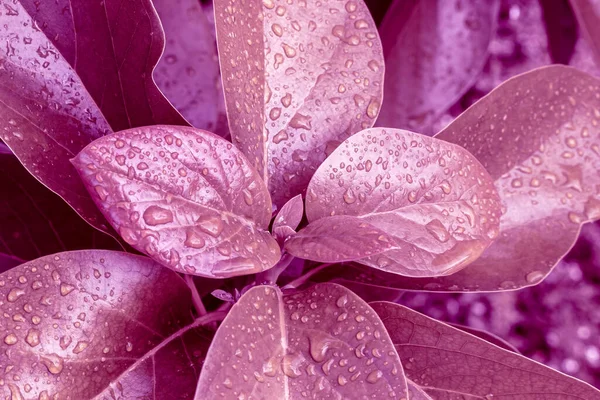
[[46, 114], [76, 321], [322, 343], [445, 361], [188, 71], [433, 198], [434, 51], [299, 78], [185, 197], [114, 46]]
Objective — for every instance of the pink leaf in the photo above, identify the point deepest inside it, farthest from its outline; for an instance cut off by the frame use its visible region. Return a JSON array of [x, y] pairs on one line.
[[434, 52], [433, 198], [338, 239], [78, 315], [188, 71], [114, 46], [445, 361], [185, 197], [298, 80], [290, 214], [322, 342], [46, 114]]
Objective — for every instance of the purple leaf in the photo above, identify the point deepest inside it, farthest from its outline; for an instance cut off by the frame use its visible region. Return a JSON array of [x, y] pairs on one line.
[[114, 46], [338, 239], [325, 342], [35, 221], [487, 336], [434, 52], [185, 197], [188, 71], [445, 361], [46, 114], [76, 324], [433, 198], [313, 73], [290, 214]]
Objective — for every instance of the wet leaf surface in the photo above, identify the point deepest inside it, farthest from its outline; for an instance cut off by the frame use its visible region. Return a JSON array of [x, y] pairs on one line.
[[75, 321], [185, 197], [433, 198], [188, 71], [322, 343], [338, 239], [46, 114], [114, 46], [316, 78], [36, 222], [446, 362], [429, 69], [290, 214]]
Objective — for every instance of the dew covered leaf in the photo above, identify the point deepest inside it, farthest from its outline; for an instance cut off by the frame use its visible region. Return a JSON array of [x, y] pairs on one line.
[[290, 214], [46, 114], [433, 198], [316, 78], [324, 342], [186, 197], [36, 222], [77, 320], [337, 239], [188, 71], [114, 46], [434, 52], [445, 361]]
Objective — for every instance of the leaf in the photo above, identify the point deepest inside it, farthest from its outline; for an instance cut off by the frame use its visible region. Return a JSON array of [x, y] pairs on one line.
[[445, 362], [324, 341], [114, 46], [315, 78], [487, 336], [188, 71], [338, 239], [587, 13], [46, 114], [74, 325], [35, 221], [434, 52], [415, 392], [433, 198], [290, 214], [186, 197]]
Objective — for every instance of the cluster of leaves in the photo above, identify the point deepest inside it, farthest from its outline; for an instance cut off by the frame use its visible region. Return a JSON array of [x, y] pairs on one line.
[[306, 201]]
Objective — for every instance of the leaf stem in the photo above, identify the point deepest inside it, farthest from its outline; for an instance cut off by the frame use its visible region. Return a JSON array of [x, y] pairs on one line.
[[270, 276], [301, 280], [198, 305]]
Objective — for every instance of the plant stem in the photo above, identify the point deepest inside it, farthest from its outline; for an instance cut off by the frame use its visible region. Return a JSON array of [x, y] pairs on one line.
[[270, 276], [200, 309], [301, 280]]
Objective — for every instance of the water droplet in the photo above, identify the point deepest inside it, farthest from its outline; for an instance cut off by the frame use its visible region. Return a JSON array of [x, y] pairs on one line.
[[10, 339], [14, 294], [535, 276], [342, 380], [33, 337], [349, 196], [300, 121], [373, 108], [374, 376], [65, 289], [342, 301], [290, 365], [53, 362], [289, 51], [80, 346], [270, 368], [212, 225], [436, 229], [155, 215], [320, 342], [227, 383], [194, 239], [277, 29]]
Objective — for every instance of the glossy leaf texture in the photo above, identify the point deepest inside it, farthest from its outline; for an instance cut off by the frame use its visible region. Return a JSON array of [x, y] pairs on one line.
[[433, 198], [434, 52], [185, 197], [46, 114], [75, 321], [290, 214], [324, 342], [337, 239], [188, 71], [114, 46], [316, 77], [445, 361], [36, 222]]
